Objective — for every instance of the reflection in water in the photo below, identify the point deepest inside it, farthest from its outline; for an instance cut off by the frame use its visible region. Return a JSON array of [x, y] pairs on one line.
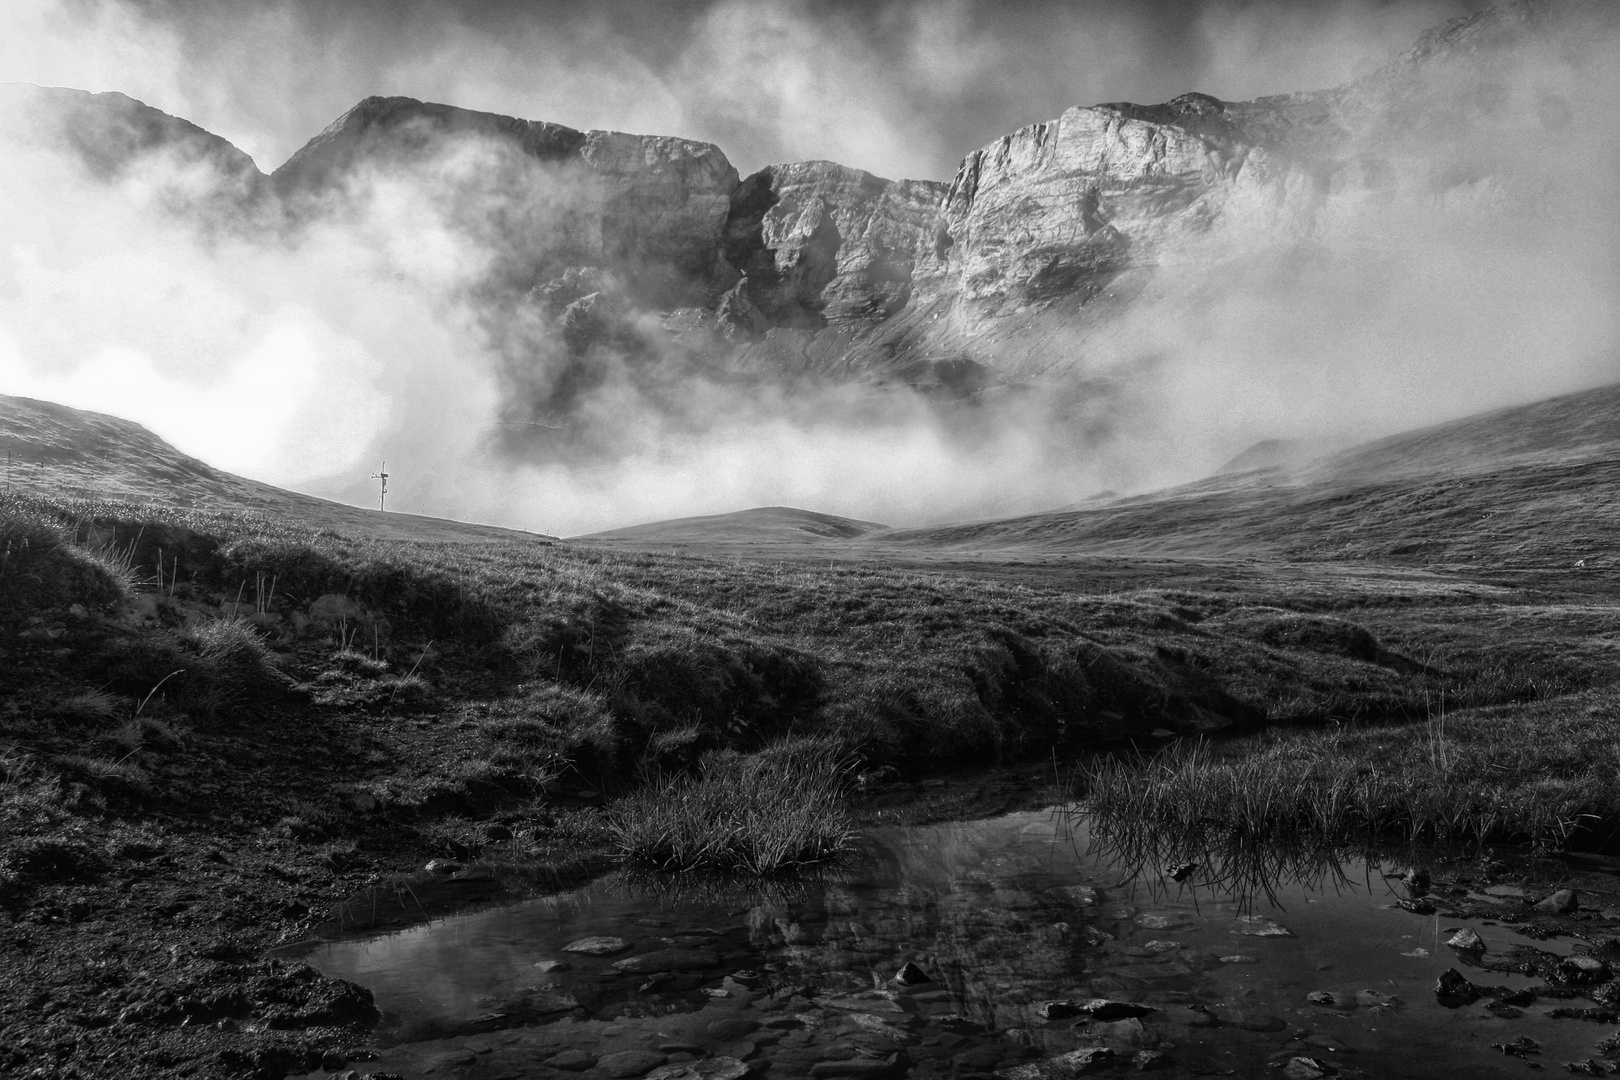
[[1005, 915], [1221, 863]]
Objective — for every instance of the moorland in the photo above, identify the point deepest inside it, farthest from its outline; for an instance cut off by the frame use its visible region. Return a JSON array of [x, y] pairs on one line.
[[236, 718]]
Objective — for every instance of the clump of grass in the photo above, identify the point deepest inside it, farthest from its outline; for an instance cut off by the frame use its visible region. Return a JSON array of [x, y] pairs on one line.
[[1473, 777], [236, 661], [772, 812]]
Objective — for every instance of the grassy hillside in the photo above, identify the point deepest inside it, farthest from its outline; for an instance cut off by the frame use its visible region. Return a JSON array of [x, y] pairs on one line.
[[53, 450], [763, 525], [1526, 488]]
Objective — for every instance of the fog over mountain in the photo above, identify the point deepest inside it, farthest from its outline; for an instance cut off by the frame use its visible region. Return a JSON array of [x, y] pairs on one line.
[[542, 322]]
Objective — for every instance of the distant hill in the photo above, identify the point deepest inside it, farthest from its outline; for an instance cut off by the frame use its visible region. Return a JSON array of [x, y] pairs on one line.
[[763, 524], [1534, 485], [51, 449]]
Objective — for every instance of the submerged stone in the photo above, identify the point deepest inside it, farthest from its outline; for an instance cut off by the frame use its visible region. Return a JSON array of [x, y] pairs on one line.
[[597, 946], [715, 1068], [666, 960], [629, 1063], [1247, 1019], [1372, 999], [571, 1061], [1466, 940]]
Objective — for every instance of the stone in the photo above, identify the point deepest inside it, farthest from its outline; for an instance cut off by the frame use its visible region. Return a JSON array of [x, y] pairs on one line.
[[1246, 1019], [714, 1068], [545, 967], [1466, 940], [571, 1061], [1582, 970], [1129, 1033], [875, 1002], [1562, 902], [911, 975], [731, 1028], [442, 866], [1453, 990], [1306, 1068], [667, 960], [1083, 1062], [455, 1059], [1191, 1016], [629, 1063], [1372, 999], [598, 946], [978, 1060], [1084, 895], [1327, 999], [1255, 926], [857, 1067], [1152, 1061]]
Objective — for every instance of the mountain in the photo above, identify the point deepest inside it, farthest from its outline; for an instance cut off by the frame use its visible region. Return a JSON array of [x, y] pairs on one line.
[[112, 135], [617, 258], [58, 451]]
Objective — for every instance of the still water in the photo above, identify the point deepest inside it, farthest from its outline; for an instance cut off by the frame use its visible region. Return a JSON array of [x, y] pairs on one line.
[[1000, 916]]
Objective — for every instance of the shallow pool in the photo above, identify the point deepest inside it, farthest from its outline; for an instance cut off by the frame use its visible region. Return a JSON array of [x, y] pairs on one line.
[[999, 917]]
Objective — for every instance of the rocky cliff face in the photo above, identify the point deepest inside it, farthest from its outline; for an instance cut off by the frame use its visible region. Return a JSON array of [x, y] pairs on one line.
[[645, 248]]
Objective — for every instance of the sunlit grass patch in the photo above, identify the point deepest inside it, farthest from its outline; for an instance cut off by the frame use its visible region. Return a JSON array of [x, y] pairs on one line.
[[778, 810]]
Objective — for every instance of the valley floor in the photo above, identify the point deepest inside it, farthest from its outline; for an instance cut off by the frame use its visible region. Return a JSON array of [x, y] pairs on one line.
[[270, 742]]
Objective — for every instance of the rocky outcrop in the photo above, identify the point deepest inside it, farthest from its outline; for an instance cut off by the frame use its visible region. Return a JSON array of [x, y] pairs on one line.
[[649, 210]]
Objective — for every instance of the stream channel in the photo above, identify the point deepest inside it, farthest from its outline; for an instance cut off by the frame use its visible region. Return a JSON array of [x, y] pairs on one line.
[[1000, 916]]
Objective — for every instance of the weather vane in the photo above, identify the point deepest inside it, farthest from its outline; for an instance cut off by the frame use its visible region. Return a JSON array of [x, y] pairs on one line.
[[382, 496]]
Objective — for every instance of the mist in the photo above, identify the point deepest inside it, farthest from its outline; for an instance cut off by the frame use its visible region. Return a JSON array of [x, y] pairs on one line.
[[1478, 269]]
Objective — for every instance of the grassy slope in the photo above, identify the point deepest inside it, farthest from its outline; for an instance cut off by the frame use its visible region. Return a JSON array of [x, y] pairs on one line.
[[53, 450], [764, 524], [1530, 487], [496, 682]]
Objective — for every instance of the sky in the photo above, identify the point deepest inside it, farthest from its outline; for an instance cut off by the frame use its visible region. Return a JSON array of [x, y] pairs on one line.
[[902, 88], [1482, 273]]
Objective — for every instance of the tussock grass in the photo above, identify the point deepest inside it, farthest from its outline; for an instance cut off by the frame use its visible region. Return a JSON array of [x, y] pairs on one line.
[[1544, 774], [775, 811]]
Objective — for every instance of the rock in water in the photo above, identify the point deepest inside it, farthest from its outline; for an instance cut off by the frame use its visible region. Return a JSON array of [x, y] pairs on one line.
[[1307, 1068], [911, 975], [1327, 999], [1562, 902], [665, 960], [715, 1068], [597, 946], [1453, 990], [1467, 941]]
